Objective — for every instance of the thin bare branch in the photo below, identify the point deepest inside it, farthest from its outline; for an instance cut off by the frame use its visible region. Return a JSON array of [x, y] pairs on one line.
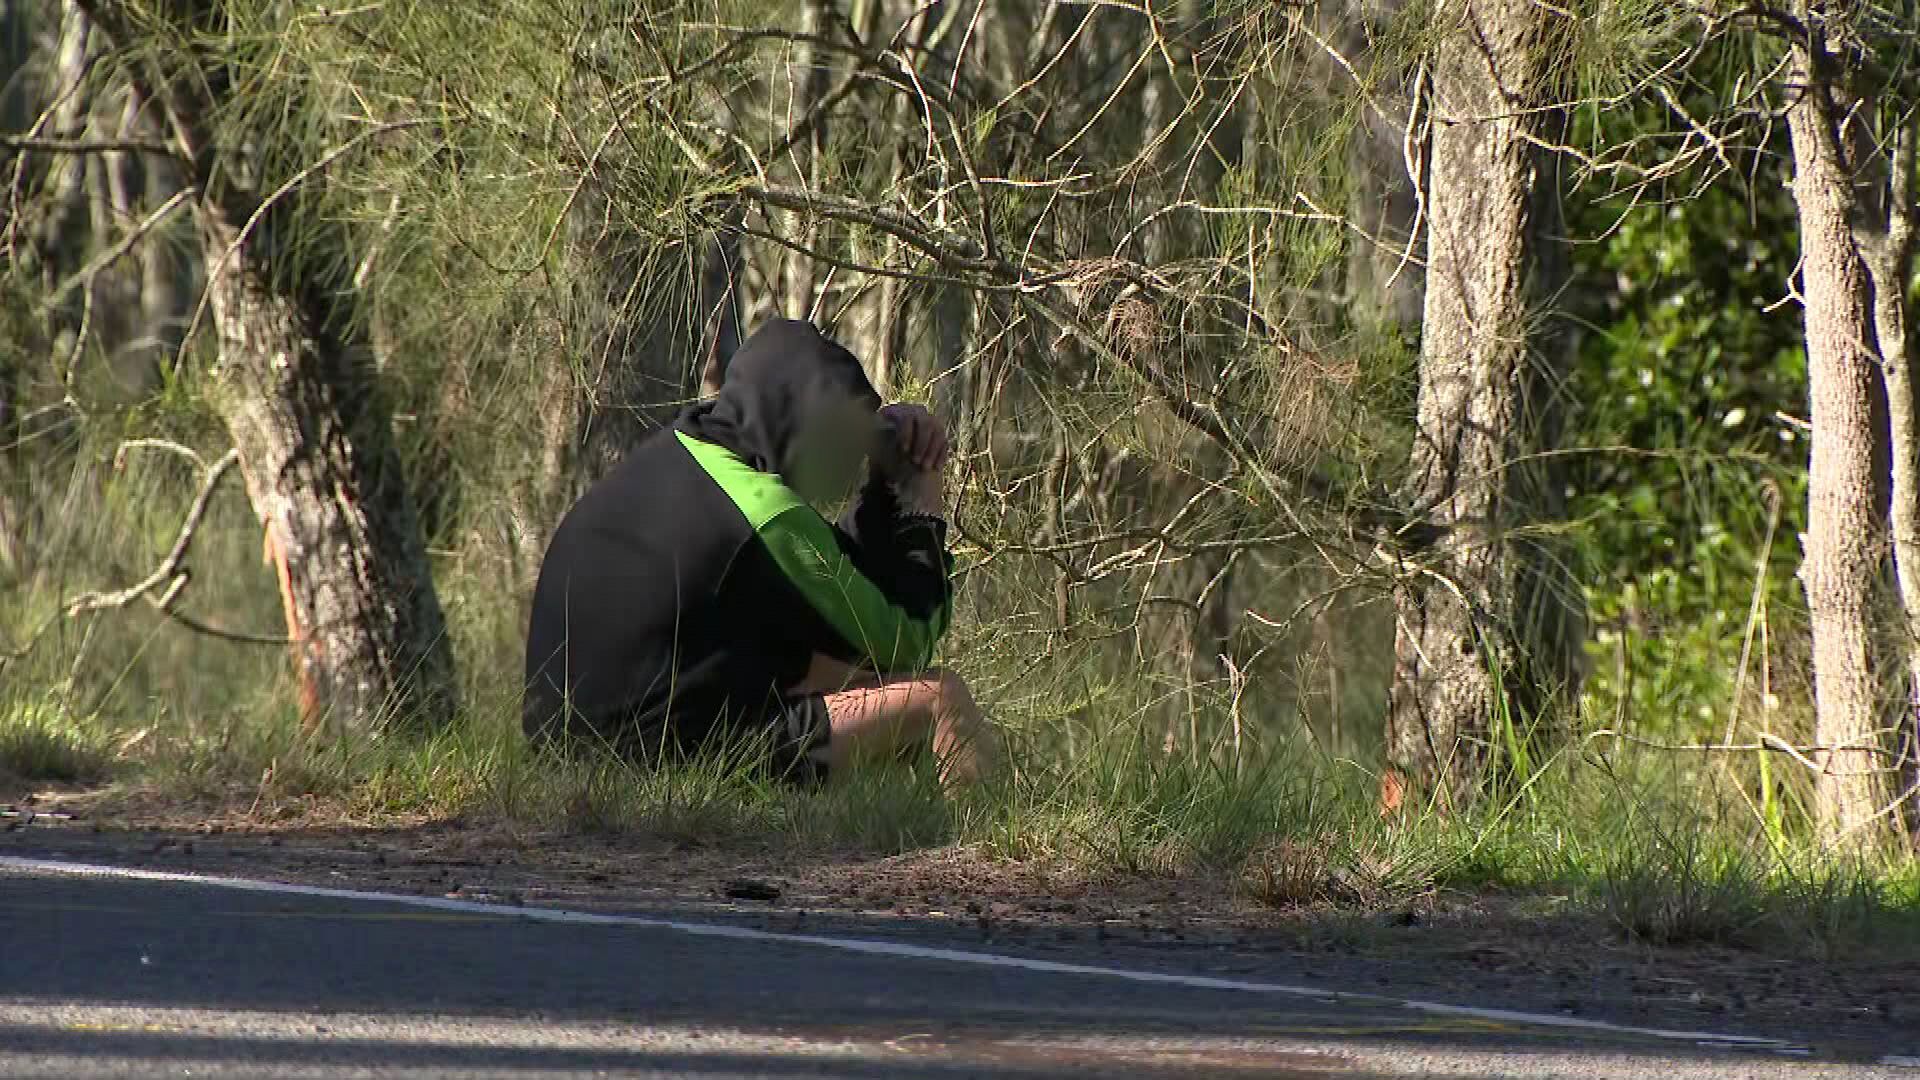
[[169, 572], [55, 145]]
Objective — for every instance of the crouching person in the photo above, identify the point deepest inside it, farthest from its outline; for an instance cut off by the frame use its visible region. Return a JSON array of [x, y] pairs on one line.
[[694, 595]]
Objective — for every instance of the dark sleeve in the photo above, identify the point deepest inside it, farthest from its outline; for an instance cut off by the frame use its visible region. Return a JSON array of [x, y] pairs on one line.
[[905, 555], [877, 629]]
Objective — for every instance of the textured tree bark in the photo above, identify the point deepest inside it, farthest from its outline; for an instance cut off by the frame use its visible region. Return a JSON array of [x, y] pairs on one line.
[[315, 442], [1853, 281], [16, 112], [1843, 547], [1890, 264], [325, 479], [1483, 648]]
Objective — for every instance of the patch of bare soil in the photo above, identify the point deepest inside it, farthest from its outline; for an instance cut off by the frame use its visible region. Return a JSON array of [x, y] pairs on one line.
[[1527, 952]]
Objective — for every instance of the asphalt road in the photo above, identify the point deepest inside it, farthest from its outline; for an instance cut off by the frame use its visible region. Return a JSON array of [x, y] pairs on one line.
[[110, 976]]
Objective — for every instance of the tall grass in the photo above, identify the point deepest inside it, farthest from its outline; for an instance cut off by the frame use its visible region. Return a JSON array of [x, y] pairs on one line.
[[1663, 856], [1666, 847], [38, 743]]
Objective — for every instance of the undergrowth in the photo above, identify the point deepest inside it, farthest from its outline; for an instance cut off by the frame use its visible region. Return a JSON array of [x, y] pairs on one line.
[[40, 743], [1662, 855]]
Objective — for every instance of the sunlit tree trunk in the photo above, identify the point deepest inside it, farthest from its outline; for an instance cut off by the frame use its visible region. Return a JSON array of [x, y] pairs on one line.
[[307, 417], [1847, 478], [1889, 260], [1484, 616], [324, 477]]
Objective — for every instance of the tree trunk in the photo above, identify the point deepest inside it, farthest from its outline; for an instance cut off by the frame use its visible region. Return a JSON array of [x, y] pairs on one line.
[[534, 498], [325, 479], [59, 240], [807, 85], [951, 367], [167, 275], [1846, 509], [1181, 642], [56, 235], [315, 441], [16, 46], [647, 329], [16, 112], [1484, 629], [1890, 267], [650, 327], [639, 333], [51, 241], [1856, 223], [116, 190]]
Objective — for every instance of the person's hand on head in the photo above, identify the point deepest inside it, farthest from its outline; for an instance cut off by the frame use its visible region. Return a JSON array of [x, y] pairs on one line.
[[918, 456], [921, 437]]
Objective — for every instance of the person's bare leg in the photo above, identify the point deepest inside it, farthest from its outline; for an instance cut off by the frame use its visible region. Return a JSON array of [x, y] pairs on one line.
[[889, 715], [964, 743], [826, 675]]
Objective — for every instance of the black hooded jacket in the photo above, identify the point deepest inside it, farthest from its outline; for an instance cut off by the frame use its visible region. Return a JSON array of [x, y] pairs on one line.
[[688, 587]]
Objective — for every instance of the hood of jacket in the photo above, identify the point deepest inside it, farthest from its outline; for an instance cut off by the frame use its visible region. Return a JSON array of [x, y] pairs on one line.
[[785, 374]]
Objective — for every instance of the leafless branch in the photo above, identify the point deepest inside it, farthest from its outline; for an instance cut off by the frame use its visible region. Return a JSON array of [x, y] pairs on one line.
[[1765, 741], [85, 275], [168, 573], [39, 145], [238, 637], [170, 576]]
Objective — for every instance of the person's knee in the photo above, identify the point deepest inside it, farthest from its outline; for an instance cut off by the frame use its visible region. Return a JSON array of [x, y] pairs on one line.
[[955, 714], [948, 684], [948, 693], [963, 739]]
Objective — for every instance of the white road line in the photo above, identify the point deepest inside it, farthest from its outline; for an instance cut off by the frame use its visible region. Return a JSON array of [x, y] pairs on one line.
[[894, 949]]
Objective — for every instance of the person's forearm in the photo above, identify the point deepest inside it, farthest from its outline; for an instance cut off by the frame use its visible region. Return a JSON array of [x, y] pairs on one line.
[[895, 533]]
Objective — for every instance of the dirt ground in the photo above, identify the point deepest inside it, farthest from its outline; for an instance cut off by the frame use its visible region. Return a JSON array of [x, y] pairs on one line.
[[1525, 952]]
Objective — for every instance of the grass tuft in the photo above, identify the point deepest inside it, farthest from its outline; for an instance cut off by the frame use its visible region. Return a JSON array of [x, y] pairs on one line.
[[41, 743], [1678, 889]]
